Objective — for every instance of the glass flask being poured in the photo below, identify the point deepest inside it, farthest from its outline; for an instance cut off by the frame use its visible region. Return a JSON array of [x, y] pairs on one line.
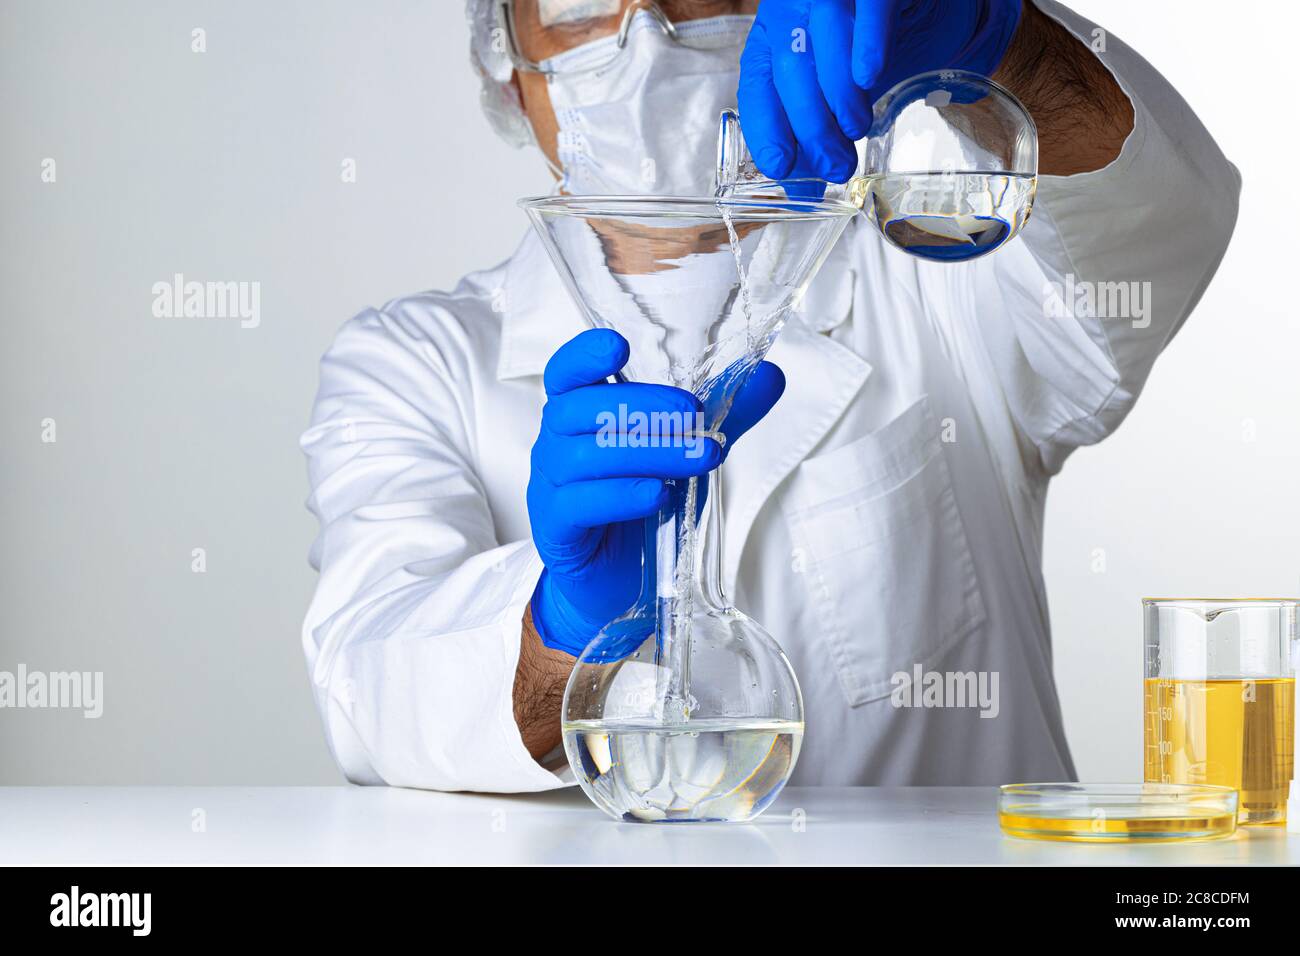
[[948, 172]]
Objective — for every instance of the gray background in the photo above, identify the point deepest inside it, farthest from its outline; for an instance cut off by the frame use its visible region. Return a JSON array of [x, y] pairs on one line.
[[176, 434]]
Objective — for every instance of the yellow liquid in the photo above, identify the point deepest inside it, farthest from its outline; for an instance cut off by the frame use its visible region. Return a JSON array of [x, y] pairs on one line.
[[1203, 825], [1232, 733]]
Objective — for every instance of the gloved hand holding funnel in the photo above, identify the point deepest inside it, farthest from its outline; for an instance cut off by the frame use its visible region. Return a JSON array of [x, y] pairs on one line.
[[592, 486]]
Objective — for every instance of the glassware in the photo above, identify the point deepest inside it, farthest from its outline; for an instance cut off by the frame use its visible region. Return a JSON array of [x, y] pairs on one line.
[[948, 173], [1219, 698], [684, 708], [1116, 812]]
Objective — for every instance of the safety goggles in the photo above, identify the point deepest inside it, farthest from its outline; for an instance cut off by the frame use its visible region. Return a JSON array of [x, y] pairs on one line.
[[538, 31]]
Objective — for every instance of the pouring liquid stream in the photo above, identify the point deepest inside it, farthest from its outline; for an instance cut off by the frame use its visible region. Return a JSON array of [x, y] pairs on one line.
[[677, 700]]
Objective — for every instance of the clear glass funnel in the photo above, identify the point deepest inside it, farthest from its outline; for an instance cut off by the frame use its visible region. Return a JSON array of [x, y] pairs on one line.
[[684, 708], [948, 173]]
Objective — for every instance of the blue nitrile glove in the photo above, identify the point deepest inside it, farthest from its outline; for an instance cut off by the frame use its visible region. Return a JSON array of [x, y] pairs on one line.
[[588, 496], [812, 69]]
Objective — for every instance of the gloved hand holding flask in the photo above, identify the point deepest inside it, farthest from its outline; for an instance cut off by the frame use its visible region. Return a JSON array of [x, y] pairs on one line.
[[812, 70], [589, 492]]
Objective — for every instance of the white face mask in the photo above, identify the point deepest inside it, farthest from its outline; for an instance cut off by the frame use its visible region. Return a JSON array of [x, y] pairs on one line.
[[648, 122]]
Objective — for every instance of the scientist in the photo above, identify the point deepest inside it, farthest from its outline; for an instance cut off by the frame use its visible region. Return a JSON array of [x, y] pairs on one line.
[[885, 518]]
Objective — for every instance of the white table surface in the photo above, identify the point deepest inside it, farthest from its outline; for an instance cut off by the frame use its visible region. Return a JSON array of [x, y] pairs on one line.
[[143, 825]]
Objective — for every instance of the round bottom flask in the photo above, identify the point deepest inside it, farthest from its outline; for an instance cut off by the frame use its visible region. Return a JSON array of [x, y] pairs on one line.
[[702, 721]]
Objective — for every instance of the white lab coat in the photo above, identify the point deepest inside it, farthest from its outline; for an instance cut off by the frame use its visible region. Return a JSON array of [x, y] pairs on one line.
[[901, 527]]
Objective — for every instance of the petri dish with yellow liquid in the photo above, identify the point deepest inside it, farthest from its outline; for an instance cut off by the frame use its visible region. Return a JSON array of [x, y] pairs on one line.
[[1117, 812]]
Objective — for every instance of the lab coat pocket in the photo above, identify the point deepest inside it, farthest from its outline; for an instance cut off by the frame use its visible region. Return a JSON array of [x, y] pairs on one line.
[[884, 554]]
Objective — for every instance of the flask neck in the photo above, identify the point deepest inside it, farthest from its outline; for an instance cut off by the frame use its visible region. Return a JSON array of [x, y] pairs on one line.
[[684, 576]]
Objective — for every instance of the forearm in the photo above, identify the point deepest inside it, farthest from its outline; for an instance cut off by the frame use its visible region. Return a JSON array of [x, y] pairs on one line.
[[539, 690], [1082, 114]]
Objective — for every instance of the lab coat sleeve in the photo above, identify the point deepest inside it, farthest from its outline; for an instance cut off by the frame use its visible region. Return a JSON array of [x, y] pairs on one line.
[[1111, 264], [412, 638]]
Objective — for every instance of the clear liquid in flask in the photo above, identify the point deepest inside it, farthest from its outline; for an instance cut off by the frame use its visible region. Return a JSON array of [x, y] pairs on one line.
[[721, 770], [945, 216]]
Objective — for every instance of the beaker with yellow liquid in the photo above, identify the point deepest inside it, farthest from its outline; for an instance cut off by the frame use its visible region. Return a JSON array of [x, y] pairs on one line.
[[1219, 698]]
